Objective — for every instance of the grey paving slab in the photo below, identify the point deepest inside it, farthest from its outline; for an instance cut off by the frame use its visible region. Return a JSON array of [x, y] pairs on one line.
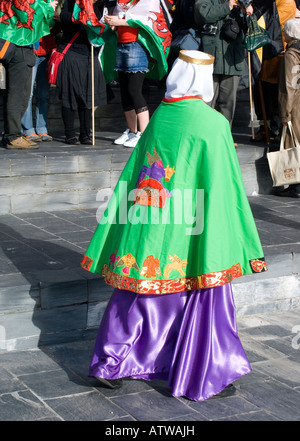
[[278, 369], [218, 409], [152, 405], [86, 407], [278, 399], [24, 406], [9, 383], [28, 362], [54, 383]]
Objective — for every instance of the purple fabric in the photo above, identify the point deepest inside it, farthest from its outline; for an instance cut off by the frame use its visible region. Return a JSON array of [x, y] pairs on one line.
[[189, 339]]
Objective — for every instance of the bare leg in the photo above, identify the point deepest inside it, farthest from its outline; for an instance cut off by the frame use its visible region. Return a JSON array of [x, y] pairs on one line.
[[143, 119], [131, 120]]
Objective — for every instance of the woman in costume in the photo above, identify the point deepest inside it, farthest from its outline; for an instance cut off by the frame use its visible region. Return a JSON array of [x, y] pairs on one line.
[[132, 61], [74, 79], [178, 229]]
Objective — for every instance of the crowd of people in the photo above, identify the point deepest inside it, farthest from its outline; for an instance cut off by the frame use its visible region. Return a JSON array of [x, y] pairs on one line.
[[132, 65]]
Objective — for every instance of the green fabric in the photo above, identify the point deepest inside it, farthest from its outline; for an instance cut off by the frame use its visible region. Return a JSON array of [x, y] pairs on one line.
[[197, 141], [25, 26]]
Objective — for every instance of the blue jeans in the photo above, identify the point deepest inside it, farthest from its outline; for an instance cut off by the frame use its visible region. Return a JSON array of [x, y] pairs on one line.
[[42, 100]]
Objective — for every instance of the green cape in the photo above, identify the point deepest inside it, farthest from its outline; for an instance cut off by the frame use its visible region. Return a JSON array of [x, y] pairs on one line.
[[199, 231]]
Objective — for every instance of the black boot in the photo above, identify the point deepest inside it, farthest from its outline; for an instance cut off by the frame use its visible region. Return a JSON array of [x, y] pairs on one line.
[[293, 191], [85, 116]]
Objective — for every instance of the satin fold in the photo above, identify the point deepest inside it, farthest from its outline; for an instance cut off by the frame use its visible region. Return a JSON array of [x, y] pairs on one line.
[[189, 339]]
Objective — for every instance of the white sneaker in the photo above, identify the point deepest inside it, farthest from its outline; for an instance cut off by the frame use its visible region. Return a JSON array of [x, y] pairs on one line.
[[122, 138], [133, 139]]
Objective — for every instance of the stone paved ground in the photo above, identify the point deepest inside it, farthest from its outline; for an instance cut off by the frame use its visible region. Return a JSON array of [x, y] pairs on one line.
[[50, 383]]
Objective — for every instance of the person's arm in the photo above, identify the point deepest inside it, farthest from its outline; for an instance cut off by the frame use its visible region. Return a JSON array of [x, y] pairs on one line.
[[206, 12], [287, 87]]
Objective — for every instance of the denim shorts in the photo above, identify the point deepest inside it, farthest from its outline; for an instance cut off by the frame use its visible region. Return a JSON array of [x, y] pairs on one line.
[[132, 57]]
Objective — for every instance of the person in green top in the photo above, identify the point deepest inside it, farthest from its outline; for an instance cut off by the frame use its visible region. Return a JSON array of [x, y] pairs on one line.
[[212, 16]]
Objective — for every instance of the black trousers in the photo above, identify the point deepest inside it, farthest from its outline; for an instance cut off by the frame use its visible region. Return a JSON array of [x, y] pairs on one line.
[[18, 88], [68, 116], [132, 91]]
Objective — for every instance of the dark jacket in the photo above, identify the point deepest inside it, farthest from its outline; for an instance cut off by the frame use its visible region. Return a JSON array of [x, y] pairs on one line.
[[69, 28], [183, 17], [229, 56]]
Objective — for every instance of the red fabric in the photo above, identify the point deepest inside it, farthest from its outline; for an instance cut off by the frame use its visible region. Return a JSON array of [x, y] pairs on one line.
[[46, 44], [173, 100], [127, 34]]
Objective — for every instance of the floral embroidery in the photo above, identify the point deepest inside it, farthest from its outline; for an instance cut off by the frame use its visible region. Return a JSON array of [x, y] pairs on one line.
[[149, 188], [258, 265], [128, 262], [86, 262], [159, 287], [150, 268]]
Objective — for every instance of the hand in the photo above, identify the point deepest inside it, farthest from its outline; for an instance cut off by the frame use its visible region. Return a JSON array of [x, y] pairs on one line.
[[233, 3], [114, 20], [54, 3], [249, 10]]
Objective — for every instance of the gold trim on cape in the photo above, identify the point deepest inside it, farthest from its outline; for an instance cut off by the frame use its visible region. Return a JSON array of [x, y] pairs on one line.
[[159, 287]]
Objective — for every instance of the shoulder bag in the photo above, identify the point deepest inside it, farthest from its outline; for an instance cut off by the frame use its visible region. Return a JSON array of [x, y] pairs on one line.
[[186, 39], [55, 60], [285, 163]]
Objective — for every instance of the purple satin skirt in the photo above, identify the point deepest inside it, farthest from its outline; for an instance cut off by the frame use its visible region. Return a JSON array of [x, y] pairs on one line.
[[189, 339]]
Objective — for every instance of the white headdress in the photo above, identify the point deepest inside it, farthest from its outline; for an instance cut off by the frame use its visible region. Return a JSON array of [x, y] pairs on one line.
[[191, 75]]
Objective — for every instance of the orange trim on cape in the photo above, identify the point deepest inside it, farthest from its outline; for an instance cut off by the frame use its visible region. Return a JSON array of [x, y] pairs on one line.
[[159, 287]]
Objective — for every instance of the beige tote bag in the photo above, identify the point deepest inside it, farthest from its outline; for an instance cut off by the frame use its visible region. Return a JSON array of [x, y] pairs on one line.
[[285, 163]]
